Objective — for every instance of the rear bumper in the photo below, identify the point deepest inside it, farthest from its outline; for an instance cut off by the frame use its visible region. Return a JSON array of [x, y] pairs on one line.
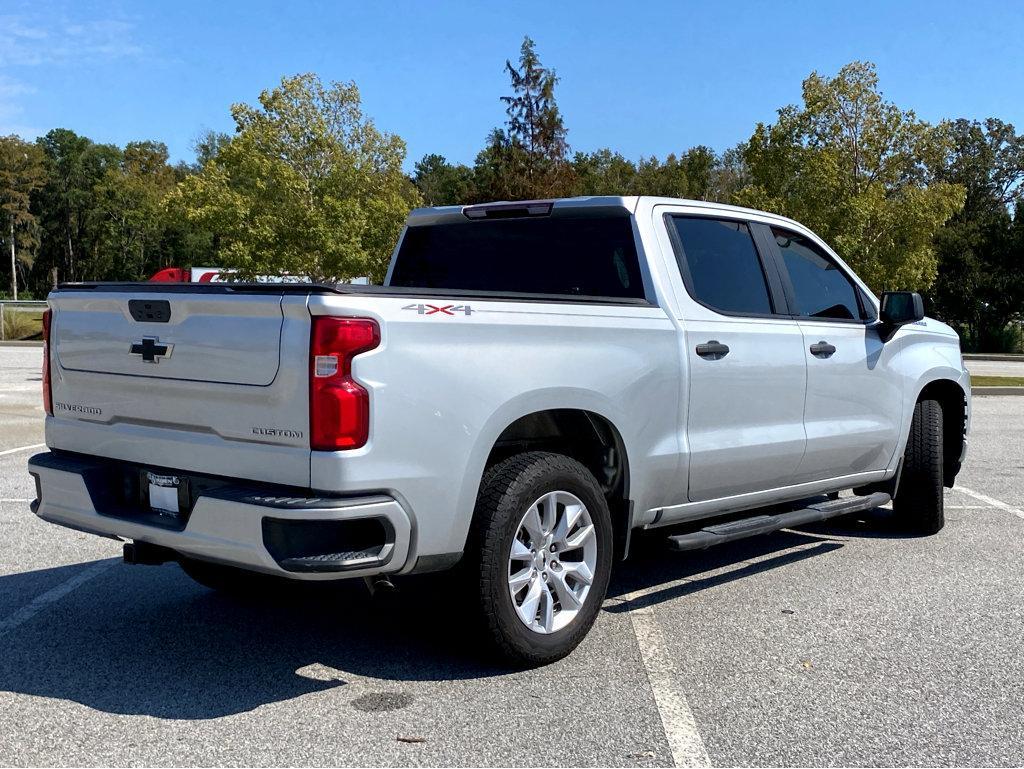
[[262, 529]]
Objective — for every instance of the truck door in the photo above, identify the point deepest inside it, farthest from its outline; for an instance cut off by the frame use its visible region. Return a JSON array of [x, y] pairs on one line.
[[745, 360], [854, 401]]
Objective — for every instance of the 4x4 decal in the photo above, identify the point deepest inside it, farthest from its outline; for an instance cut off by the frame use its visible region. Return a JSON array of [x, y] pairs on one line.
[[433, 309]]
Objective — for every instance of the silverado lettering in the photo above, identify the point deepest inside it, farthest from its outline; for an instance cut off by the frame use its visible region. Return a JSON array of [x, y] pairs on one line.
[[76, 408]]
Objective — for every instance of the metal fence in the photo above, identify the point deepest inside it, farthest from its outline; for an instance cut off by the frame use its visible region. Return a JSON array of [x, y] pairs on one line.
[[8, 308]]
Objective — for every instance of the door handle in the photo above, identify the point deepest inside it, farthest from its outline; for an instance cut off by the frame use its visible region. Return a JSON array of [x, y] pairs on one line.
[[823, 349], [713, 350]]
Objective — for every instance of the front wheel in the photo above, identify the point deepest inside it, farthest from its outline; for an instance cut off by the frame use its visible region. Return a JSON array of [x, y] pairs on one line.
[[543, 548], [918, 504]]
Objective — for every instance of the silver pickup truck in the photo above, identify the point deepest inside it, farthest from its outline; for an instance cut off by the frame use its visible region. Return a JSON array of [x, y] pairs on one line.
[[534, 382]]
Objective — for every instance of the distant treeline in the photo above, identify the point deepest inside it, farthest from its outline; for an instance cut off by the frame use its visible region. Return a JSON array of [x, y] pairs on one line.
[[308, 185]]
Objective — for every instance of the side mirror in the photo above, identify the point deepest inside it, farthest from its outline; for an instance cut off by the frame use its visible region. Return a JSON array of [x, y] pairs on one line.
[[898, 309]]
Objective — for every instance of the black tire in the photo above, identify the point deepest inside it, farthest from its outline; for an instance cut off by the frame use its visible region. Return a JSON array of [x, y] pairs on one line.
[[918, 505], [506, 493], [240, 583]]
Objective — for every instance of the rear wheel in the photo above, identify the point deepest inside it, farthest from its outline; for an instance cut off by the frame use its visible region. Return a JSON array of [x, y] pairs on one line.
[[543, 552], [918, 504]]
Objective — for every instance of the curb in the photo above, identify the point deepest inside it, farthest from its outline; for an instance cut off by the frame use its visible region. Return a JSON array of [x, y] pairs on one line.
[[30, 343], [997, 391], [992, 356]]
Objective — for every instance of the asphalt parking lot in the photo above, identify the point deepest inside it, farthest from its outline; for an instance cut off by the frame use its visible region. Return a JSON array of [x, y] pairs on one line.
[[838, 644]]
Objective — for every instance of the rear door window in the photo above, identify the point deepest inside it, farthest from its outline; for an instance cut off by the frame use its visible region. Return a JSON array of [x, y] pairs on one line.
[[720, 265], [578, 256], [820, 288]]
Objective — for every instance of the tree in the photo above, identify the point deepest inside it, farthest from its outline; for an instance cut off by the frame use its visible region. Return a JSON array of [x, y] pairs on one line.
[[665, 179], [857, 170], [442, 184], [74, 167], [729, 176], [529, 157], [307, 185], [699, 164], [22, 173], [602, 173], [980, 285], [207, 145], [698, 174], [128, 221]]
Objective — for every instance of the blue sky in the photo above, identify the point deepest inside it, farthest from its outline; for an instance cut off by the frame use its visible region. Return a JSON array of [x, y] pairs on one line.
[[642, 78]]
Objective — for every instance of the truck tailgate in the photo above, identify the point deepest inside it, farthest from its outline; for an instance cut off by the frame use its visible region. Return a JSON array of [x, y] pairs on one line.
[[218, 338], [212, 383]]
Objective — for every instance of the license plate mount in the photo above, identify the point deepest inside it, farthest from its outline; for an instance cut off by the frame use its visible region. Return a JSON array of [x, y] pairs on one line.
[[164, 494]]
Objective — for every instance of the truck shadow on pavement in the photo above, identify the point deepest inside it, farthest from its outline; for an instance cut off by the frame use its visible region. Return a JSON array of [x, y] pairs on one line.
[[637, 580], [651, 564], [145, 640]]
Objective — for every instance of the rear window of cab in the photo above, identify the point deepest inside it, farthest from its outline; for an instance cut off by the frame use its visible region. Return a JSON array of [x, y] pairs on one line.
[[565, 255]]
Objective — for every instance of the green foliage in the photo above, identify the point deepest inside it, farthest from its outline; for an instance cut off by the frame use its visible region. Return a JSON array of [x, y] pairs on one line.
[[997, 381], [856, 169], [208, 145], [528, 158], [22, 173], [128, 222], [442, 184], [19, 323], [699, 174], [980, 286], [307, 186], [74, 168], [102, 216], [603, 173]]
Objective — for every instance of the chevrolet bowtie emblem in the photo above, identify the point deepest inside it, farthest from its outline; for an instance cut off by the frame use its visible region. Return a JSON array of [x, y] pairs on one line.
[[150, 349]]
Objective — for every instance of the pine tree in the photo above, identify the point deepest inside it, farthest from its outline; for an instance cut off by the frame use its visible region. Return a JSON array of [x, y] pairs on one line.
[[529, 157]]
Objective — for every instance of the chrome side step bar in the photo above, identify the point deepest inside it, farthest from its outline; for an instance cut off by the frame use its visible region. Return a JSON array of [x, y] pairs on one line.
[[763, 524]]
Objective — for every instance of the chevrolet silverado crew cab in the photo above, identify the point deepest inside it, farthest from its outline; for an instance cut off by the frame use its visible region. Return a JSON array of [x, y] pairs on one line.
[[533, 382]]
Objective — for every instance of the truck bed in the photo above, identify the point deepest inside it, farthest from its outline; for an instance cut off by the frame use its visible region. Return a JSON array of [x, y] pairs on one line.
[[342, 289]]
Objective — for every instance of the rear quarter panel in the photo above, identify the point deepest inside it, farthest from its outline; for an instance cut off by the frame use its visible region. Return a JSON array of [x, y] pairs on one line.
[[444, 386]]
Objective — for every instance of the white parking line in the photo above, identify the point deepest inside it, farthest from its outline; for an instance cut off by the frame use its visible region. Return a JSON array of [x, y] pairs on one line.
[[40, 602], [677, 719], [22, 448], [990, 501]]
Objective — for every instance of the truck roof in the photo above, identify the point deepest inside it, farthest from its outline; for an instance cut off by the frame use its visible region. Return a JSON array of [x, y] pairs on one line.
[[596, 204]]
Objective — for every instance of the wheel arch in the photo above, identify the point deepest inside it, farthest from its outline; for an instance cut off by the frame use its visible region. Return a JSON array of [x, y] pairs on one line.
[[592, 439], [953, 401], [589, 437], [581, 425]]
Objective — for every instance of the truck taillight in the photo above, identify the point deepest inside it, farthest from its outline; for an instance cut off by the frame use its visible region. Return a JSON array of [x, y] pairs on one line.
[[339, 407], [47, 395]]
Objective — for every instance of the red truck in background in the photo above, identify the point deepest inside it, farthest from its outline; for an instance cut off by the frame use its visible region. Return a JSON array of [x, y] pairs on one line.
[[185, 275], [218, 275]]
